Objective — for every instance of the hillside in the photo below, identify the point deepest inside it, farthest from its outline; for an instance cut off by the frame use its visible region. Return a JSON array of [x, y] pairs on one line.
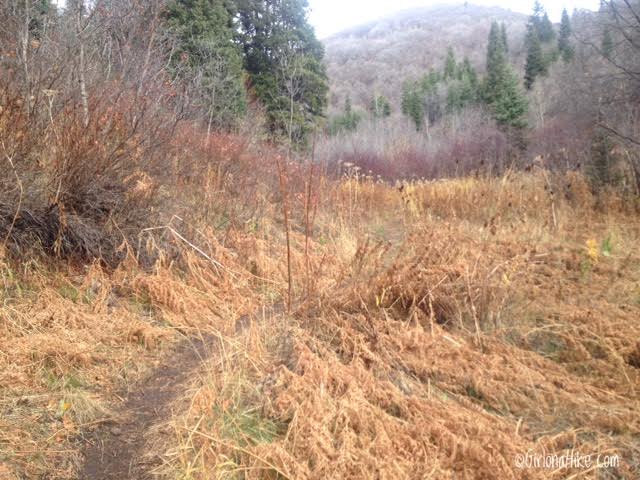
[[379, 56]]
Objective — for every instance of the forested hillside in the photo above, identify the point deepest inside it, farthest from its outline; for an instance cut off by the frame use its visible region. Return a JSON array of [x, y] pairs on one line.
[[377, 58], [453, 89]]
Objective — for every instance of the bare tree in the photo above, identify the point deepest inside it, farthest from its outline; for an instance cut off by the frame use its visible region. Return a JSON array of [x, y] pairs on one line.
[[619, 71]]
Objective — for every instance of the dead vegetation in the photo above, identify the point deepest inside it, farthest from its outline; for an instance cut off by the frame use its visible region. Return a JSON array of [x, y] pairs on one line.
[[437, 329], [477, 335]]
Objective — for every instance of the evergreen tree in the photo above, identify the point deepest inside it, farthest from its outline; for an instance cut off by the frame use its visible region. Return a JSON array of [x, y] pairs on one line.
[[541, 23], [284, 62], [564, 38], [432, 101], [406, 94], [380, 107], [545, 29], [536, 17], [41, 14], [535, 64], [347, 122], [348, 110], [503, 37], [450, 65], [413, 104], [430, 81], [510, 107], [607, 44], [464, 91], [601, 161], [501, 91], [496, 58], [207, 54], [470, 72]]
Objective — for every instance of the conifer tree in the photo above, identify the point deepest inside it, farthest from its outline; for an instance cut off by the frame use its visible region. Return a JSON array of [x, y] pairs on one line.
[[503, 37], [350, 118], [536, 17], [535, 64], [284, 62], [545, 29], [206, 54], [413, 104], [430, 81], [44, 10], [510, 106], [450, 65], [496, 58], [347, 122], [347, 106], [564, 38], [541, 23], [470, 72], [406, 94], [501, 91], [464, 91], [601, 161], [607, 44], [380, 107]]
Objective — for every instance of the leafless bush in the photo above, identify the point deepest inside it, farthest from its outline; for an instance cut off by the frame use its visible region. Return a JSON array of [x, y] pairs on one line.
[[392, 150], [85, 127]]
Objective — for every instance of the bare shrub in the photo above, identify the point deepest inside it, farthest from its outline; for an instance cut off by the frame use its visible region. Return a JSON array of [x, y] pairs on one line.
[[392, 150]]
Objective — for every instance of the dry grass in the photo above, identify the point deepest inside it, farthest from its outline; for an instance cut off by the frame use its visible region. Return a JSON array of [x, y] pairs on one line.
[[491, 330], [449, 327]]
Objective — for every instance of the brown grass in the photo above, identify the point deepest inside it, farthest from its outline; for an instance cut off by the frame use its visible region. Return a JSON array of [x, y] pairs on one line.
[[450, 326], [486, 333]]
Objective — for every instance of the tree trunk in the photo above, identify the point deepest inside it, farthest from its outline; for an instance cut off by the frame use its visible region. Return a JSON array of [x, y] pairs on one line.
[[24, 57], [84, 96]]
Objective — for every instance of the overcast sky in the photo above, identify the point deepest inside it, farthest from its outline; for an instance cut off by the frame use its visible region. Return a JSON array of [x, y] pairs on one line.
[[332, 16]]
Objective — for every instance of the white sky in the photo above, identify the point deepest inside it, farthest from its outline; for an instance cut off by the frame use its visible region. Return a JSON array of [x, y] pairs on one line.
[[332, 16]]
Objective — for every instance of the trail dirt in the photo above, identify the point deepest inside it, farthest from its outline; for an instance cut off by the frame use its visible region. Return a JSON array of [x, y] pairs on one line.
[[116, 451]]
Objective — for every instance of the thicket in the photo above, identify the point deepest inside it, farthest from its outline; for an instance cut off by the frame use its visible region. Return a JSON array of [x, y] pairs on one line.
[[100, 101]]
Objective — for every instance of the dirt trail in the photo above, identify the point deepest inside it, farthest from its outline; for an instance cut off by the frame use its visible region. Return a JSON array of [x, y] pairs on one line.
[[115, 451]]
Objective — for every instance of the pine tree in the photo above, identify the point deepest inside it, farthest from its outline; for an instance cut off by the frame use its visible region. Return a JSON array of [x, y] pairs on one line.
[[430, 81], [43, 11], [347, 106], [535, 64], [380, 107], [496, 58], [541, 23], [536, 17], [207, 54], [470, 72], [450, 65], [503, 37], [406, 94], [350, 118], [464, 91], [511, 105], [413, 104], [501, 91], [284, 62], [564, 38], [601, 161], [607, 44], [347, 122], [545, 29]]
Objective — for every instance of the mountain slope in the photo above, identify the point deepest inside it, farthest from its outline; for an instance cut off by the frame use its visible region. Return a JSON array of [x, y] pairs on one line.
[[379, 56]]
